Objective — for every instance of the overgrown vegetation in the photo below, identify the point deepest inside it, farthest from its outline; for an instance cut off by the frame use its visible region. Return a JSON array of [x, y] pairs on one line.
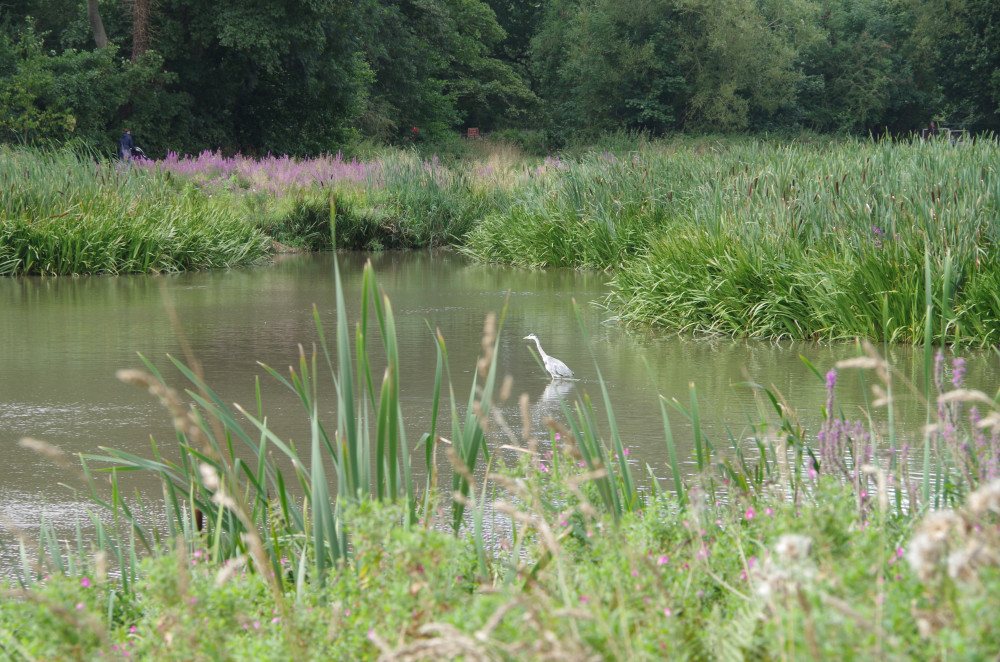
[[67, 214], [833, 239], [843, 541], [810, 238]]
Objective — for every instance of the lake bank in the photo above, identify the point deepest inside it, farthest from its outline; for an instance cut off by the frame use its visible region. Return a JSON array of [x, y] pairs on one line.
[[814, 239], [820, 546]]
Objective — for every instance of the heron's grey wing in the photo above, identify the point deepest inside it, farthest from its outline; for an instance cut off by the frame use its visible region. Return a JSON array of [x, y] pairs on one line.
[[560, 369]]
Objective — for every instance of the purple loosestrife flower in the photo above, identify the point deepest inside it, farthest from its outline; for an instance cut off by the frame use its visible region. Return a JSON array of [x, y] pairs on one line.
[[278, 175], [878, 236], [957, 372]]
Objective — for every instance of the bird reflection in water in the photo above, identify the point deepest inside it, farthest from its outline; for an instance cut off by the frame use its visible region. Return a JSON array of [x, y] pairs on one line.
[[555, 390]]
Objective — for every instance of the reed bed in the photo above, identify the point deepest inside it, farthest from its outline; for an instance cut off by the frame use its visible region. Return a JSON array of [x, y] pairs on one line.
[[775, 542], [808, 239], [394, 200], [764, 239], [67, 214]]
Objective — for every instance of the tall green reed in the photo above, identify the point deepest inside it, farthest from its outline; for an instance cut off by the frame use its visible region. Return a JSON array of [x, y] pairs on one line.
[[766, 239], [65, 213]]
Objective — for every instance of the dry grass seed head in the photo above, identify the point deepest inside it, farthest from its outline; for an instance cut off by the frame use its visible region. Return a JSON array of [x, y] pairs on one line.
[[229, 570], [460, 466], [489, 337], [882, 483], [966, 395], [569, 445], [209, 476], [184, 419], [525, 406]]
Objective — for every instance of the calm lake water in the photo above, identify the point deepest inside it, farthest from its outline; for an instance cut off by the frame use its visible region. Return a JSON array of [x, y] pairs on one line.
[[64, 338]]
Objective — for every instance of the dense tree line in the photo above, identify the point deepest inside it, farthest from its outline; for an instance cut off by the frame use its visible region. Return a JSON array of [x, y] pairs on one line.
[[304, 76]]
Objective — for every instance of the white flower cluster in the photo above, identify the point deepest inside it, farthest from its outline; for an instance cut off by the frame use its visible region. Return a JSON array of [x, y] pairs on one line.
[[959, 542], [783, 572]]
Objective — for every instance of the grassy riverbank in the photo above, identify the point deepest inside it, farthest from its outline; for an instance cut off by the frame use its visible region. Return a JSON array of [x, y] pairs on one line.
[[776, 543], [830, 239], [808, 238], [63, 214]]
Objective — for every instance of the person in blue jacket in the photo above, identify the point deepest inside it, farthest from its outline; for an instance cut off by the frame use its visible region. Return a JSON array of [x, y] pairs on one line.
[[125, 146]]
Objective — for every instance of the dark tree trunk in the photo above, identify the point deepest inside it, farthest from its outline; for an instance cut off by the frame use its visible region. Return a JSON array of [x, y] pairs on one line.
[[96, 24], [140, 28]]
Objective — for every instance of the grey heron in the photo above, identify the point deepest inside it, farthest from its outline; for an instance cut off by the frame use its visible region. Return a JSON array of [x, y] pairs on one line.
[[556, 368]]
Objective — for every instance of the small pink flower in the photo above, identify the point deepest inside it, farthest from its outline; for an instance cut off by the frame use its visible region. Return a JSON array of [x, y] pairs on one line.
[[750, 513], [667, 612], [584, 598], [663, 560], [769, 511], [85, 582], [626, 452], [635, 573], [80, 606]]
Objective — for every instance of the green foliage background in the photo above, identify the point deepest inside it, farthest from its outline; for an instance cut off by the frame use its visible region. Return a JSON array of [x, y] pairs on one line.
[[307, 77]]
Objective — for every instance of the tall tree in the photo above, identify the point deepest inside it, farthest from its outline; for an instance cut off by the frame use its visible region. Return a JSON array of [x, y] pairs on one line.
[[140, 28], [969, 63], [96, 24], [739, 57], [861, 79], [263, 75], [609, 64], [433, 67]]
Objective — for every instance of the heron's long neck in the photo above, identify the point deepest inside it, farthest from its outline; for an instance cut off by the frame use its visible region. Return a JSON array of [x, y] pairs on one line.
[[540, 350]]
